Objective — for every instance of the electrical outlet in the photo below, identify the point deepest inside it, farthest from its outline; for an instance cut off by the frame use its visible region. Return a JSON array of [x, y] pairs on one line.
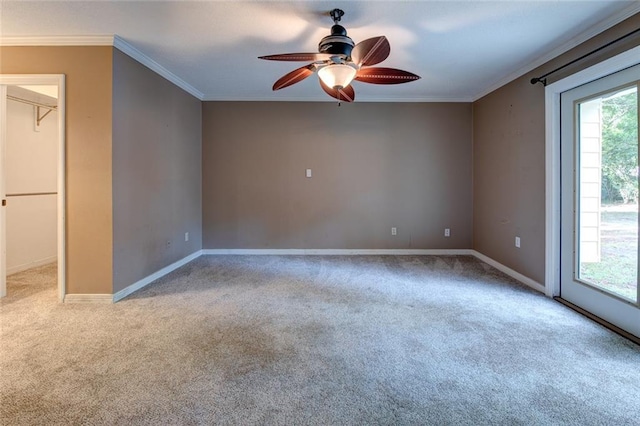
[[394, 231], [518, 242], [447, 232], [186, 236], [308, 173]]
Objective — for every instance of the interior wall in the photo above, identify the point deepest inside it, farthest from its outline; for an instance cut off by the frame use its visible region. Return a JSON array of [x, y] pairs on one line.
[[374, 166], [31, 168], [88, 71], [157, 196], [509, 159]]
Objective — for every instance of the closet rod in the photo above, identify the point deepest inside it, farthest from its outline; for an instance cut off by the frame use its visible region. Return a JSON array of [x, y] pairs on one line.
[[26, 194], [28, 102]]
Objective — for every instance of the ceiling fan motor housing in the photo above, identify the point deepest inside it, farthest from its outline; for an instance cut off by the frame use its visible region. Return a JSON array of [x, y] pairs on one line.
[[338, 43]]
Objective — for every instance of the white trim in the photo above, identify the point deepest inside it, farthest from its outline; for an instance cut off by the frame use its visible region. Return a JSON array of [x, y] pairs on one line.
[[513, 274], [337, 252], [393, 252], [57, 80], [88, 298], [579, 39], [105, 298], [3, 220], [156, 275], [96, 40], [552, 193], [31, 79], [128, 49], [62, 185], [29, 265], [576, 41], [217, 98], [104, 40], [145, 60], [552, 156]]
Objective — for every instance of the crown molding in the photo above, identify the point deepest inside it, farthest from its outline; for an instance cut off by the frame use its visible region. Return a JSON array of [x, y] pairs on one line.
[[214, 98], [97, 40], [104, 40], [145, 60], [593, 31], [133, 52]]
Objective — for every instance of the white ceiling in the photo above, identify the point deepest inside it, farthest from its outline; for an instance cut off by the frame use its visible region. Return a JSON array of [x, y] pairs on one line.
[[461, 49]]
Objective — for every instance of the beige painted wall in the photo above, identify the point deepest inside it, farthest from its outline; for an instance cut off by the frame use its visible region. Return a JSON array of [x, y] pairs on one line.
[[509, 160], [157, 144], [88, 73], [374, 166]]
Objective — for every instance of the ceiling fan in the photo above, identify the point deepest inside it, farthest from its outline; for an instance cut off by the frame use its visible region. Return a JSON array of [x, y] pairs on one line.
[[339, 61]]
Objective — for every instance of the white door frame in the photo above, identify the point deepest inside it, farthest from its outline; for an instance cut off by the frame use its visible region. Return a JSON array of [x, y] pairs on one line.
[[3, 221], [51, 80], [552, 156]]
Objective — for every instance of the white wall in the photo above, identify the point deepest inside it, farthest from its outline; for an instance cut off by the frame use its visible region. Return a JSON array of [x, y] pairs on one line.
[[30, 167]]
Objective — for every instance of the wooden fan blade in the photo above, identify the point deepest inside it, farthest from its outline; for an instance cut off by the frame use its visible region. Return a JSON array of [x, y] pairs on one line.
[[378, 75], [293, 77], [371, 51], [346, 94], [303, 57]]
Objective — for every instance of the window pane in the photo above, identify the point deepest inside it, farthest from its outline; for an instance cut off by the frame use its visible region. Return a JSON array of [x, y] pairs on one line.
[[608, 193]]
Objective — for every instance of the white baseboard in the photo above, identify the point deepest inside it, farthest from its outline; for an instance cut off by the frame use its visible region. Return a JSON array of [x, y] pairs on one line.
[[88, 298], [394, 252], [23, 267], [159, 274], [513, 274], [338, 252], [108, 298]]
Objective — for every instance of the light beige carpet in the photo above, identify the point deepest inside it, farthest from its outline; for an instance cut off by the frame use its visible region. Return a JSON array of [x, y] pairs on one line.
[[287, 340]]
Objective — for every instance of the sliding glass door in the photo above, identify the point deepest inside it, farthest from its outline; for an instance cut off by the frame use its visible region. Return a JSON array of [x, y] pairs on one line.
[[599, 237]]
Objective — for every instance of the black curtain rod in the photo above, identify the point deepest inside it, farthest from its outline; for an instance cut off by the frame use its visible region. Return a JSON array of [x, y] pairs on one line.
[[543, 78]]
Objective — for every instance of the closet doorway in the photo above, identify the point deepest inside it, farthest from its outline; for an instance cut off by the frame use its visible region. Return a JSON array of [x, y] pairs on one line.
[[32, 177]]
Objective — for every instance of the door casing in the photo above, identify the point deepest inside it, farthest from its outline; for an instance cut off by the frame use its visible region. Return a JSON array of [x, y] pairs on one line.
[[552, 156]]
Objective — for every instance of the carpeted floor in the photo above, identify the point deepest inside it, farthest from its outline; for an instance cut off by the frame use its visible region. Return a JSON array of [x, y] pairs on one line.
[[293, 340]]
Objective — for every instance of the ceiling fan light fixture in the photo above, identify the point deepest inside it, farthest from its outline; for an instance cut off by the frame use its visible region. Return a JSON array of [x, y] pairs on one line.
[[337, 76], [339, 61]]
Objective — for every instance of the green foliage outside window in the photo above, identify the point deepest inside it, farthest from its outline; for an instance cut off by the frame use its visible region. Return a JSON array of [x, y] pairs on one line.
[[620, 149]]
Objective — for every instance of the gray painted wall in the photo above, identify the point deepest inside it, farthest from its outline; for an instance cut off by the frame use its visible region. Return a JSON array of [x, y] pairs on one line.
[[509, 159], [375, 166], [156, 172]]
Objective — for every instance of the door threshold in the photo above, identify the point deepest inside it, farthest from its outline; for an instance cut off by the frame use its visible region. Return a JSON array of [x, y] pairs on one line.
[[600, 321]]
